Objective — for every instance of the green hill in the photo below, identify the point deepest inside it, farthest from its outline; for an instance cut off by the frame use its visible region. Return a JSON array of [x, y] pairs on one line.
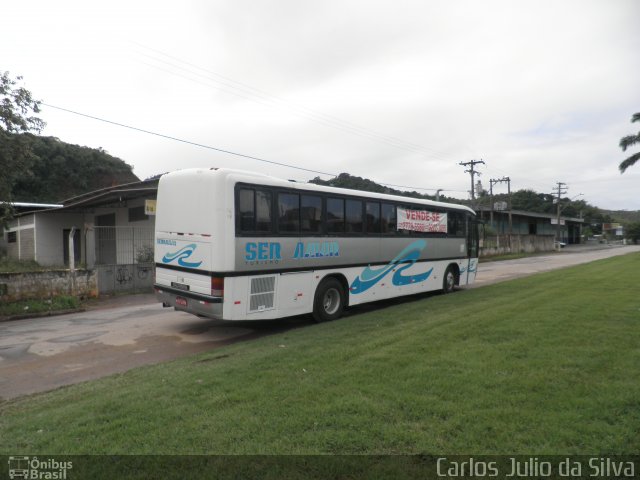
[[61, 170]]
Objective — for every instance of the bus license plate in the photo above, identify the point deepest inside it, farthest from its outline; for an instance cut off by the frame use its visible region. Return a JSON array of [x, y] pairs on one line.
[[181, 301]]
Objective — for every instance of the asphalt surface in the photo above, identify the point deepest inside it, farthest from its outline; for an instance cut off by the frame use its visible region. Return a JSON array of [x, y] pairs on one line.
[[115, 335], [494, 272]]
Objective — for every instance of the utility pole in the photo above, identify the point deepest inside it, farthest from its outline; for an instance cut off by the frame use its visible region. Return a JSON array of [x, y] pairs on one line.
[[500, 180], [561, 189], [508, 180], [491, 182], [471, 164]]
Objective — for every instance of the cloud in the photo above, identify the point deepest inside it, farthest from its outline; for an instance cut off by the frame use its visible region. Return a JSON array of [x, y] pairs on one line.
[[399, 92]]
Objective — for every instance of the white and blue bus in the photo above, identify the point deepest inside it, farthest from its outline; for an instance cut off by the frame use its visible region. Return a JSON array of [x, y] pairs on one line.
[[235, 245]]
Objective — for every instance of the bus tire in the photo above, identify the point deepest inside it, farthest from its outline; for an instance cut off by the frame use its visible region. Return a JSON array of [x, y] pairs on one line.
[[329, 301], [449, 280]]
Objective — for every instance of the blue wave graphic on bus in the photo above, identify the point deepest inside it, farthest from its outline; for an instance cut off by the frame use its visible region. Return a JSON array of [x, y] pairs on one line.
[[409, 256], [473, 267], [182, 254]]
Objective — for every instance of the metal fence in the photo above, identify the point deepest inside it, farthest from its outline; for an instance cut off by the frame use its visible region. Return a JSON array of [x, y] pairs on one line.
[[123, 245], [123, 259]]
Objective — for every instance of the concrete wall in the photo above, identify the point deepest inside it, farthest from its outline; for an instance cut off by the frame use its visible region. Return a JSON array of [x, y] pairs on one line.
[[27, 239], [24, 246], [38, 285], [50, 241], [134, 278], [501, 244]]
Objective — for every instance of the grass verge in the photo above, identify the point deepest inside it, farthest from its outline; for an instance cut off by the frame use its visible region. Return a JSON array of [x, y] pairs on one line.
[[9, 265], [29, 307], [547, 364], [513, 256]]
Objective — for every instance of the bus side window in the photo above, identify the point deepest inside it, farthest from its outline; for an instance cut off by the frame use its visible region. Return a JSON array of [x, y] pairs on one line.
[[456, 224], [373, 217], [288, 212], [354, 216], [404, 231], [246, 200], [311, 214], [335, 215], [389, 222], [254, 211], [263, 211]]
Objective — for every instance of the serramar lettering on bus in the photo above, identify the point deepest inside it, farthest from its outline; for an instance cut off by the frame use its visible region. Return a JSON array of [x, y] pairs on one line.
[[262, 252], [162, 241], [316, 250]]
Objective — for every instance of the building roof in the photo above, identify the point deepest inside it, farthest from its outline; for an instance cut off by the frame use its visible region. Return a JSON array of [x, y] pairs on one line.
[[26, 207], [523, 213], [111, 195], [97, 198]]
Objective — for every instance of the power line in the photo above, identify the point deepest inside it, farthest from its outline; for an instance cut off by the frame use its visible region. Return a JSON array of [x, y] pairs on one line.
[[186, 141], [260, 96], [209, 147]]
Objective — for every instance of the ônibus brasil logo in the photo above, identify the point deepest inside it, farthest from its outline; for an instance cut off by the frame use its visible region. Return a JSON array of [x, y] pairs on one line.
[[181, 255], [35, 468]]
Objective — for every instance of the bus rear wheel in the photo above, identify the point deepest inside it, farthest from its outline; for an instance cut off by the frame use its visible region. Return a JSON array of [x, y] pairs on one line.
[[449, 280], [329, 301]]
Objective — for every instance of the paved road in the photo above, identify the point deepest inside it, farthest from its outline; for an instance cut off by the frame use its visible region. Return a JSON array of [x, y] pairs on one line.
[[44, 353], [494, 272]]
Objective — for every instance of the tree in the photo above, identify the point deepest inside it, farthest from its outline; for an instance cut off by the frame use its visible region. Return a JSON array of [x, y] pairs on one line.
[[632, 231], [345, 180], [628, 141], [17, 117], [530, 201], [62, 170]]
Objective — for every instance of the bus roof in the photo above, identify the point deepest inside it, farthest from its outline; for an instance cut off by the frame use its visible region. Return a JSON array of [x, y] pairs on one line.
[[241, 176]]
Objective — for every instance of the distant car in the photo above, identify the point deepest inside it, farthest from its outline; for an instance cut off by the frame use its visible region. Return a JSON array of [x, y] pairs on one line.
[[559, 244]]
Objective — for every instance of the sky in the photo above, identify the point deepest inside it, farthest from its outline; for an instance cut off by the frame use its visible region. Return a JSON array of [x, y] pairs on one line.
[[399, 91]]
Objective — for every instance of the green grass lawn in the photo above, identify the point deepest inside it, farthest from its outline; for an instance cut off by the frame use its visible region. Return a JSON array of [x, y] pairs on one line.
[[548, 364]]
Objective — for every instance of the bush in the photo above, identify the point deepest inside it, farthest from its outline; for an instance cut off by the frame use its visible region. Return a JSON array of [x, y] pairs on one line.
[[632, 231], [10, 265], [144, 254]]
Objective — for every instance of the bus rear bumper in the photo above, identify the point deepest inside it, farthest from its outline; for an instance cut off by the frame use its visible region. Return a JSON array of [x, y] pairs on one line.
[[189, 302]]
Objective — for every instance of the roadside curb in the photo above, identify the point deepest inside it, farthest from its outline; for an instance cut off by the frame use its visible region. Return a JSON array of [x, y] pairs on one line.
[[103, 303], [24, 316]]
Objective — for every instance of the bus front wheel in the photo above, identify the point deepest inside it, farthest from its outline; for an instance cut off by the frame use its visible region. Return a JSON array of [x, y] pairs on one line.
[[329, 301], [449, 280]]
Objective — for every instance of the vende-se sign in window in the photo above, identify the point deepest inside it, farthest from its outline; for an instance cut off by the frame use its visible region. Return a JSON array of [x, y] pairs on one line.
[[422, 221]]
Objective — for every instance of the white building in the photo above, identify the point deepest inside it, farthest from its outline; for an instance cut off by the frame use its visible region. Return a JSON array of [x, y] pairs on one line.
[[105, 223]]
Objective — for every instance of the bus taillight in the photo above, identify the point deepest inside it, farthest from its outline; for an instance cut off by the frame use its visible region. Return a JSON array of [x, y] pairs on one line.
[[217, 286]]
